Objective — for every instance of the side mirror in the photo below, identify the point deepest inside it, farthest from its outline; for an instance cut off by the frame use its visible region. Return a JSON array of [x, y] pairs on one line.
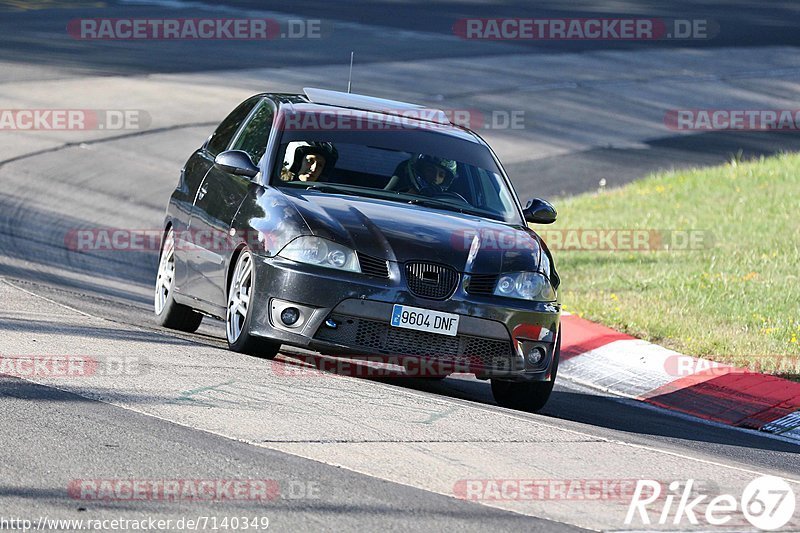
[[540, 212], [236, 162]]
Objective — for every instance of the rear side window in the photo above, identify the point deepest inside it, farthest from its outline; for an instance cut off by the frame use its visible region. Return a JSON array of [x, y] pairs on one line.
[[221, 138]]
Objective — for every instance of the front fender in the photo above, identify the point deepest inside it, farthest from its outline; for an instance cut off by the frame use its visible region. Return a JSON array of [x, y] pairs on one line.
[[266, 222]]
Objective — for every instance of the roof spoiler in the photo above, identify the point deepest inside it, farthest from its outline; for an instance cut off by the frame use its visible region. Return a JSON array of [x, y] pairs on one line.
[[372, 103]]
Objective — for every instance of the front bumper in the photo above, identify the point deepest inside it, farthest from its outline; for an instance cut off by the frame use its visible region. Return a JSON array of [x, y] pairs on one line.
[[346, 313]]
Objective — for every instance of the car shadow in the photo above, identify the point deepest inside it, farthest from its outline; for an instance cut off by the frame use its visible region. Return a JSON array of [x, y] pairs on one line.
[[596, 410]]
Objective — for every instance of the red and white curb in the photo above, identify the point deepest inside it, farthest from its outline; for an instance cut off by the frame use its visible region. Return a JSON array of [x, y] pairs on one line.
[[600, 357]]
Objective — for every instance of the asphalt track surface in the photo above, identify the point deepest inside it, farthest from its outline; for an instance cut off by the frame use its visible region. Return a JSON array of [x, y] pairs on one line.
[[384, 454]]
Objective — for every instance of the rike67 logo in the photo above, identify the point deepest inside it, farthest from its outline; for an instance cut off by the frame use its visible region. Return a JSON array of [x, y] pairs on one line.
[[768, 503]]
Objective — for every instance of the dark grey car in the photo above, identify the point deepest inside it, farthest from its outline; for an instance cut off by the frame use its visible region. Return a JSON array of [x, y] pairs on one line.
[[363, 227]]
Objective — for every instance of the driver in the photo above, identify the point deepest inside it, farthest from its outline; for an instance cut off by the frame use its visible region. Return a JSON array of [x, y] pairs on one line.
[[307, 161], [423, 174]]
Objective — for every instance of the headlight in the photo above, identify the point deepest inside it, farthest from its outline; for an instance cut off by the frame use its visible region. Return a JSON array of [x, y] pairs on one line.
[[321, 252], [525, 286]]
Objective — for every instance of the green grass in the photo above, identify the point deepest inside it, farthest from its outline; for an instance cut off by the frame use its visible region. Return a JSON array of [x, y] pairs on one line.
[[736, 300]]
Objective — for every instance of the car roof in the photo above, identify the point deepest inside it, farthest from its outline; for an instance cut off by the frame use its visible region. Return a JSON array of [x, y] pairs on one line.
[[369, 108]]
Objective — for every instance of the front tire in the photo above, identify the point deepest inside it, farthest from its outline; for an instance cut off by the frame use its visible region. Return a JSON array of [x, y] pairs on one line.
[[169, 313], [530, 396], [240, 312]]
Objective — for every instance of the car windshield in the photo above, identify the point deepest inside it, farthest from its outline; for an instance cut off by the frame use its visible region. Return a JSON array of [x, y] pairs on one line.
[[413, 166]]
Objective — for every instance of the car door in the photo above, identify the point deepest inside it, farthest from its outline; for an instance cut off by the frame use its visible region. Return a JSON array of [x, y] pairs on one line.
[[192, 175], [218, 199]]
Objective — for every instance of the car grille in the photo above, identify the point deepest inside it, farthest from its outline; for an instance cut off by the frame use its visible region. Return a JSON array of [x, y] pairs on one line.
[[429, 280], [372, 266], [481, 284], [381, 338]]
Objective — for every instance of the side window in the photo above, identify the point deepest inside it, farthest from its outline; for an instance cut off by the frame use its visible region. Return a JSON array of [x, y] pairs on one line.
[[221, 138], [253, 137]]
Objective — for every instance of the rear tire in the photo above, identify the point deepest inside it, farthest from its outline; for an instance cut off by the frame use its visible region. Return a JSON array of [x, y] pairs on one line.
[[530, 396], [169, 313], [240, 312]]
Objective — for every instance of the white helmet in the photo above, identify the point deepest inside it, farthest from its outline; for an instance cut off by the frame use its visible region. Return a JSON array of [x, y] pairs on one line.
[[297, 150]]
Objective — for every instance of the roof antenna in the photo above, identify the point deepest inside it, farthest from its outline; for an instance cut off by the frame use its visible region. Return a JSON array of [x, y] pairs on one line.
[[350, 77]]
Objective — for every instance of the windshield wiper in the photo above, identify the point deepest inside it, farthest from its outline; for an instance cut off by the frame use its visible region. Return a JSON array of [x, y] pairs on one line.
[[398, 197], [330, 189], [430, 202]]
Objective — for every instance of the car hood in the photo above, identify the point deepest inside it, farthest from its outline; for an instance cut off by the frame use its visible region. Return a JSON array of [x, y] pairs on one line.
[[402, 232]]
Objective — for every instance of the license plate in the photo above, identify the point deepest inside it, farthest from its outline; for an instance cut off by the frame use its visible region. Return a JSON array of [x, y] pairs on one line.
[[404, 316]]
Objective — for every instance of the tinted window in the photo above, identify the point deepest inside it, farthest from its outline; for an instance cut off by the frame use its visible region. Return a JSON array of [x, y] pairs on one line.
[[254, 135], [418, 176], [221, 138]]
